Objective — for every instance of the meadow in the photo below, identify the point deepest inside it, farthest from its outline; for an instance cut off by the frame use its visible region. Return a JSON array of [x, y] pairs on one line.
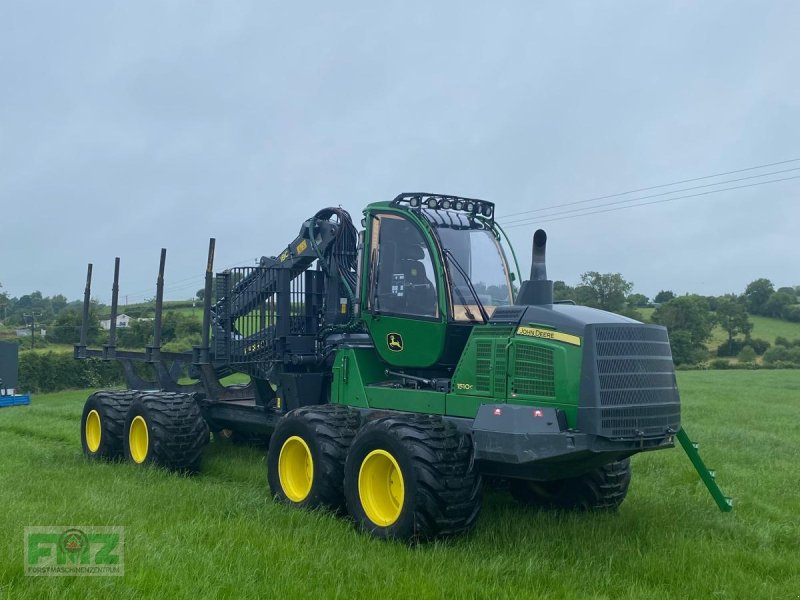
[[219, 535]]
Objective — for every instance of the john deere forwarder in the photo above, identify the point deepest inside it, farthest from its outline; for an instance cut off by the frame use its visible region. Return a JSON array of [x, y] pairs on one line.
[[392, 369]]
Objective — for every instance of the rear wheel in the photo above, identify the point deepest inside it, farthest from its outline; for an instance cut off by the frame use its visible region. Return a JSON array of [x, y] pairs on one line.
[[603, 488], [166, 429], [306, 455], [103, 423], [412, 478]]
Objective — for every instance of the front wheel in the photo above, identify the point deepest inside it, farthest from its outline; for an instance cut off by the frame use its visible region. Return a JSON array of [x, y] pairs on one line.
[[603, 488], [412, 478], [306, 456]]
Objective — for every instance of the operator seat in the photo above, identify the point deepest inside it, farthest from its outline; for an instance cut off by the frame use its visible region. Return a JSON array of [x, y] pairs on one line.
[[419, 293]]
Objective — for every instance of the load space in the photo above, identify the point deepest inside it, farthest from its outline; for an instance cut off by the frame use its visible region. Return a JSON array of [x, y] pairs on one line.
[[393, 370]]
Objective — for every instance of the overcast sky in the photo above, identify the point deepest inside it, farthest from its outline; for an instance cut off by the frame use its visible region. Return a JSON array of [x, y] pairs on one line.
[[128, 126]]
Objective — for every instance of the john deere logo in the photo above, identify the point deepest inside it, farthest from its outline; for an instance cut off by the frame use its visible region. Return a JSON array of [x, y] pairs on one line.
[[395, 342]]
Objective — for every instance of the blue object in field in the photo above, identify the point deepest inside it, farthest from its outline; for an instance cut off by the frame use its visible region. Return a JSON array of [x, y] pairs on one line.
[[15, 400]]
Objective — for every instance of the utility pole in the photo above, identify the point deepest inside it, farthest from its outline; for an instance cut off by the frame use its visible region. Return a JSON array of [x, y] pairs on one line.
[[32, 316]]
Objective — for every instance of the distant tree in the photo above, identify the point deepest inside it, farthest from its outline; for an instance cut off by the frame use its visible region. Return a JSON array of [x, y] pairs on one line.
[[137, 334], [201, 293], [782, 354], [606, 291], [176, 325], [66, 329], [756, 294], [498, 293], [758, 345], [689, 323], [58, 303], [747, 355], [4, 302], [732, 317], [663, 296], [792, 313], [777, 303], [638, 300], [786, 290], [562, 291]]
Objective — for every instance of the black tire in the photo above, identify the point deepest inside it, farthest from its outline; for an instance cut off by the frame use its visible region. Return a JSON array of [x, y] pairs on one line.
[[327, 431], [176, 432], [441, 489], [108, 411], [603, 488]]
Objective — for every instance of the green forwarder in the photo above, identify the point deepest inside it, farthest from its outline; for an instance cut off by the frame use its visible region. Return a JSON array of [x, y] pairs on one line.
[[395, 368]]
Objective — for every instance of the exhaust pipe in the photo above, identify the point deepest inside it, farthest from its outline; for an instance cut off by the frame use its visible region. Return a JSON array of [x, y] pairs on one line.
[[538, 265], [538, 289]]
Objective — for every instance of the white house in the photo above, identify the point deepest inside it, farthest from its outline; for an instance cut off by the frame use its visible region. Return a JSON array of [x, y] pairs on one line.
[[123, 320]]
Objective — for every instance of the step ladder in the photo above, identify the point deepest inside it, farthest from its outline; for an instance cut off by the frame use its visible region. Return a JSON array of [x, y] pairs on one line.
[[725, 503]]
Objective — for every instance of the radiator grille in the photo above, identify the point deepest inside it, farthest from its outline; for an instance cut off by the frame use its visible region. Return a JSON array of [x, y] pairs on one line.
[[483, 366], [533, 371], [499, 370], [637, 393]]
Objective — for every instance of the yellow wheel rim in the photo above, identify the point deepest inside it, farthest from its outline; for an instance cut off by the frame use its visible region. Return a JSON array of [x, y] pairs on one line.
[[94, 431], [138, 439], [295, 469], [381, 488]]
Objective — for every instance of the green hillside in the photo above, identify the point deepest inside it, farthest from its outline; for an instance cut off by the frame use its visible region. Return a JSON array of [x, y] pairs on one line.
[[765, 328]]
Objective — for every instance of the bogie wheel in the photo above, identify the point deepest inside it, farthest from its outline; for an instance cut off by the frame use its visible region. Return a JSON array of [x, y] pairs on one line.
[[166, 429], [412, 478], [103, 423], [307, 450], [603, 488]]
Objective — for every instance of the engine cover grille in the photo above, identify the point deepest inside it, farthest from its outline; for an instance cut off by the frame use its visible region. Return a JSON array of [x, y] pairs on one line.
[[631, 390]]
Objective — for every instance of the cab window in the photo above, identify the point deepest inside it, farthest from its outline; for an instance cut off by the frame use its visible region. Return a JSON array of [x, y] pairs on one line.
[[402, 278], [476, 253]]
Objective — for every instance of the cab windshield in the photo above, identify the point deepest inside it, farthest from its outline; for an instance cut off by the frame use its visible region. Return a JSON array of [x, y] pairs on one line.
[[478, 255]]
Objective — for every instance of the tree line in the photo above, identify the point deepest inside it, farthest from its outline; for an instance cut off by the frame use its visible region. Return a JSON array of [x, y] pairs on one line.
[[62, 321], [691, 318]]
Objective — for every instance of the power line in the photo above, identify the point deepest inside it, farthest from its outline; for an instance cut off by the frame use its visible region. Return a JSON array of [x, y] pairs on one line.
[[594, 212], [688, 189], [179, 284], [654, 187]]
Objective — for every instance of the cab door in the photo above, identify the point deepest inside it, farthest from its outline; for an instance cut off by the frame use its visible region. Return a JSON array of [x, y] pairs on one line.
[[403, 304]]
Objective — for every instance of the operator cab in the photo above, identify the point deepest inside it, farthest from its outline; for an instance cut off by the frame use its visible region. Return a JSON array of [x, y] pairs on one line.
[[434, 268]]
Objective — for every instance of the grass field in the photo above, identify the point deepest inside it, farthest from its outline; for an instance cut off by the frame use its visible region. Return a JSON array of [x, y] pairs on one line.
[[219, 534]]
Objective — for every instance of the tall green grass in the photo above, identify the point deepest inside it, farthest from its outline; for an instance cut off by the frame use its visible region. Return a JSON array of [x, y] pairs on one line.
[[220, 535]]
